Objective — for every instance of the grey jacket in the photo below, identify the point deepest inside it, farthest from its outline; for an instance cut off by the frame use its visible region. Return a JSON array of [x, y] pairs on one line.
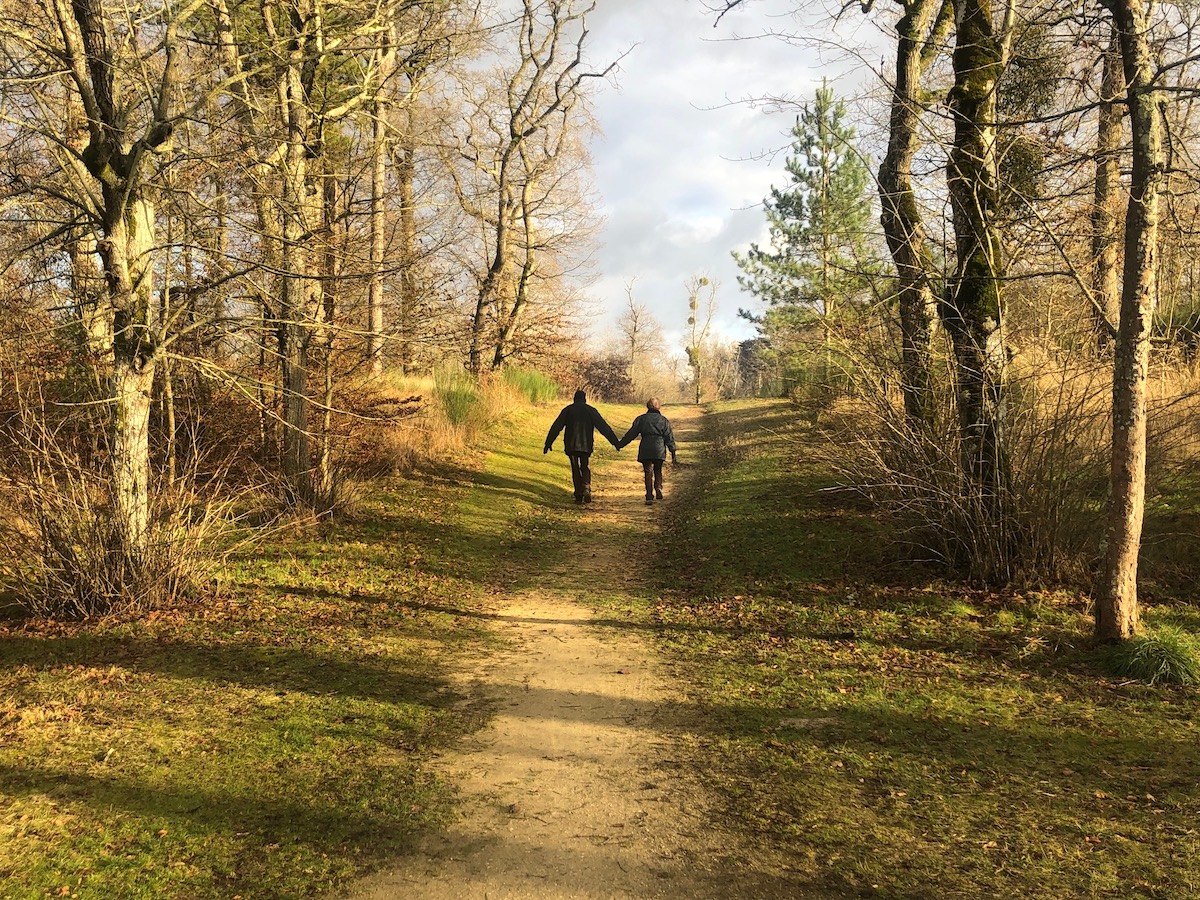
[[580, 422], [655, 432]]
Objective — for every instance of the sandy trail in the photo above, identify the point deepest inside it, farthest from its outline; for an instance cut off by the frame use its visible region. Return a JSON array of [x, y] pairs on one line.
[[576, 790]]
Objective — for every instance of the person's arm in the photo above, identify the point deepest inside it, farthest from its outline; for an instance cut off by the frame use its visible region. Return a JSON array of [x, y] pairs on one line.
[[554, 430], [670, 439], [633, 432], [606, 430]]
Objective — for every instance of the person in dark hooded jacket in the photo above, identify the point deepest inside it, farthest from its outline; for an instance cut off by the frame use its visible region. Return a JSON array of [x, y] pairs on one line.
[[580, 422], [657, 438]]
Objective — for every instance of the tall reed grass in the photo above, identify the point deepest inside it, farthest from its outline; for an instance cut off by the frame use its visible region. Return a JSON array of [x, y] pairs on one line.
[[536, 387], [1048, 522]]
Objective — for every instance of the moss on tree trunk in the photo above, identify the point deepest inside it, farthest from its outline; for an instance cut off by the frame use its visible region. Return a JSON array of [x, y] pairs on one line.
[[973, 309]]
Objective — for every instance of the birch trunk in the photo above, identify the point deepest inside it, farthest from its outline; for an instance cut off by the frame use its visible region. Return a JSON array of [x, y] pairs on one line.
[[379, 155], [1106, 276], [405, 177], [1117, 616], [295, 272]]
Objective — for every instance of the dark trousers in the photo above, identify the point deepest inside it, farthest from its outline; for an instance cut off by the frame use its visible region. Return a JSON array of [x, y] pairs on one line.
[[653, 470], [581, 475]]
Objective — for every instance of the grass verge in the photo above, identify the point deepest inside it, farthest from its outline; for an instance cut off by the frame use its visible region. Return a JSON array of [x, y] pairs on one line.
[[275, 740], [885, 732]]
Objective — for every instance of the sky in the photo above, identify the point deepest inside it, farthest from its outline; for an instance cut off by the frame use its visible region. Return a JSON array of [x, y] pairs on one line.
[[684, 159]]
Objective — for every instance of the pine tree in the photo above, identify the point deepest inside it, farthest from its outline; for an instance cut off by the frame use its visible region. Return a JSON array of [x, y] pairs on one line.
[[815, 269]]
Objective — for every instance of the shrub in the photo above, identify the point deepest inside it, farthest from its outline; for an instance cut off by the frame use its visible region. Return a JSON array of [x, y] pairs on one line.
[[1046, 522], [1166, 655], [65, 555], [607, 378]]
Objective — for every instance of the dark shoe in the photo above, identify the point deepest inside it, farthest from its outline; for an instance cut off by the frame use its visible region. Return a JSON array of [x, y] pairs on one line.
[[578, 499], [587, 498], [658, 495], [649, 501]]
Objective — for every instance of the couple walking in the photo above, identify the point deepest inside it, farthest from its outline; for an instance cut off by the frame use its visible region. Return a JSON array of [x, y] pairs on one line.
[[581, 421]]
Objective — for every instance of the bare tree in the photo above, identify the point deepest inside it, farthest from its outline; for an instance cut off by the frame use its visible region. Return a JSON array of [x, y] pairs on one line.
[[417, 44], [114, 72], [286, 109], [702, 306], [642, 335], [521, 134]]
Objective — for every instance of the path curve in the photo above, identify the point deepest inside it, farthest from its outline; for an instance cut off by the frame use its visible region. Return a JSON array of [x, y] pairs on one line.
[[577, 788]]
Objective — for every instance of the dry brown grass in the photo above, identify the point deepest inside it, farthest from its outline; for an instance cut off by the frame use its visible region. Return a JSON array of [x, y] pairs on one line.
[[423, 422], [66, 556]]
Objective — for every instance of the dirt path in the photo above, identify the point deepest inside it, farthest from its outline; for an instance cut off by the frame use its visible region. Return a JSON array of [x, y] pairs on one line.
[[576, 790]]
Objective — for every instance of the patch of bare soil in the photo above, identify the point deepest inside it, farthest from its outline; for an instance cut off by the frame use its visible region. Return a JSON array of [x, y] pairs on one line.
[[579, 787]]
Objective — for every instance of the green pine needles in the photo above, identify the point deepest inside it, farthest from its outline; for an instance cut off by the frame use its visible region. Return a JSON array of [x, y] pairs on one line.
[[821, 262], [820, 223]]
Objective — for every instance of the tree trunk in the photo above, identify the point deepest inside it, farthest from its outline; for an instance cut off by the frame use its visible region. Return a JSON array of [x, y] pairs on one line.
[[330, 282], [165, 315], [490, 287], [1117, 615], [132, 389], [405, 177], [295, 281], [512, 318], [1106, 278], [127, 223], [125, 253], [973, 311], [900, 217], [379, 155]]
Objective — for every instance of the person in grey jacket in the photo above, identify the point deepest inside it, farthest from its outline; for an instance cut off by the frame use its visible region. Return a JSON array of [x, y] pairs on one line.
[[580, 422], [655, 431]]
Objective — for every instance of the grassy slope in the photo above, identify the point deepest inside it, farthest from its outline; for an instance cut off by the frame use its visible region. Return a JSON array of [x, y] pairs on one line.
[[897, 737], [272, 741]]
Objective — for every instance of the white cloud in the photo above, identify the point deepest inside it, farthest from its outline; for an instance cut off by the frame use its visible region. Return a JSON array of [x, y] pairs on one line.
[[683, 165]]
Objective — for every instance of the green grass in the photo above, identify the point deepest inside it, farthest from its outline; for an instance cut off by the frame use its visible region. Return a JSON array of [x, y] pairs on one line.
[[458, 395], [1166, 655], [886, 731], [881, 732], [536, 387]]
